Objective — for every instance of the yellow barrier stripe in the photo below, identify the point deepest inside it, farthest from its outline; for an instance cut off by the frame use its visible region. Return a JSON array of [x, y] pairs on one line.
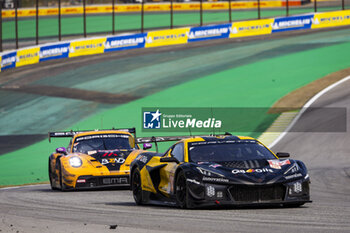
[[137, 8]]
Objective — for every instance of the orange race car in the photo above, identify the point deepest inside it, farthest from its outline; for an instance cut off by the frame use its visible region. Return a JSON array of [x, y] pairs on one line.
[[94, 158]]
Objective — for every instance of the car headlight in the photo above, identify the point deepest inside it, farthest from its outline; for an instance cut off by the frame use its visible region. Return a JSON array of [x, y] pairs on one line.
[[208, 172], [75, 161]]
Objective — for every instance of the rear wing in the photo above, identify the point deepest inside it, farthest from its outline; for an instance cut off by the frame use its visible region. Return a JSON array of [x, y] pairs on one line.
[[68, 134], [171, 138]]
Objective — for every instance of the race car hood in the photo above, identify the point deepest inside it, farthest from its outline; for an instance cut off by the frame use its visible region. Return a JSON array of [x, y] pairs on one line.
[[251, 172], [112, 159]]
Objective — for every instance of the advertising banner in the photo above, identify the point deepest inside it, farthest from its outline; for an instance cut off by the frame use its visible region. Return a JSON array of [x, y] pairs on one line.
[[125, 42], [209, 32], [171, 37], [167, 37], [8, 60], [54, 52], [251, 28], [331, 19], [292, 23], [185, 6], [86, 47], [27, 56]]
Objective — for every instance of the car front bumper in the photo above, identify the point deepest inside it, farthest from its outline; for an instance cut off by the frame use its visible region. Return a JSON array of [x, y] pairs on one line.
[[206, 194]]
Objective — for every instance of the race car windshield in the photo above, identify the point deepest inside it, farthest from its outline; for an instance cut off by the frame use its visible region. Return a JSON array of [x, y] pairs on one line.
[[225, 152], [102, 142]]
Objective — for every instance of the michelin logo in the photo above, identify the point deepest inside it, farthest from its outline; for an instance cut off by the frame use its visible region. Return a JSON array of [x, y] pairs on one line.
[[53, 52], [124, 42], [8, 61], [291, 23], [208, 33], [152, 120]]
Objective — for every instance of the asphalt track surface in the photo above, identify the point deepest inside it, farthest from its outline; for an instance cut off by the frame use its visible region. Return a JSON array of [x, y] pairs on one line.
[[37, 208]]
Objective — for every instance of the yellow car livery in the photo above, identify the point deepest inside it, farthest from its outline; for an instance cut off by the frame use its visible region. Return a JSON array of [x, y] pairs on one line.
[[96, 158], [218, 170]]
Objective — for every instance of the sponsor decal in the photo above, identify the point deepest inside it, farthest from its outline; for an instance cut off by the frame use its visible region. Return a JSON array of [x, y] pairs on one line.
[[167, 37], [212, 179], [109, 154], [251, 28], [207, 172], [125, 42], [331, 19], [8, 60], [142, 158], [54, 52], [191, 144], [193, 181], [292, 23], [215, 165], [170, 187], [277, 164], [90, 152], [112, 161], [262, 170], [293, 176], [86, 47], [202, 162], [209, 32], [115, 180], [292, 169], [27, 56]]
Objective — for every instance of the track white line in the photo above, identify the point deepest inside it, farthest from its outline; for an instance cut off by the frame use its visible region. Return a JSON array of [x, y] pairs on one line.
[[21, 186], [308, 104]]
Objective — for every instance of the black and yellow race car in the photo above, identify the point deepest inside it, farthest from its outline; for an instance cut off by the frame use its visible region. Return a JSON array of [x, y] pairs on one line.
[[218, 170], [93, 158]]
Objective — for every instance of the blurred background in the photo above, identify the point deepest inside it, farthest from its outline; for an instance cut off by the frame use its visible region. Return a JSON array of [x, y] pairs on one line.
[[31, 22]]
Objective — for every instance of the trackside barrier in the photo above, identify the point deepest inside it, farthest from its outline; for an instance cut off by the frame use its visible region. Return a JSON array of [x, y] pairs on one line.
[[152, 7], [82, 47]]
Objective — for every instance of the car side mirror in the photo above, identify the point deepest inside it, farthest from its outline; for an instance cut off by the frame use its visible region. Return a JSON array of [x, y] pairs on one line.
[[61, 150], [283, 155], [169, 160], [147, 146]]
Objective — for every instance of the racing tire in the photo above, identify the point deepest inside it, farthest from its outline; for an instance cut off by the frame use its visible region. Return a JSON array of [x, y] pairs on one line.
[[136, 187], [50, 177], [181, 190], [62, 185]]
